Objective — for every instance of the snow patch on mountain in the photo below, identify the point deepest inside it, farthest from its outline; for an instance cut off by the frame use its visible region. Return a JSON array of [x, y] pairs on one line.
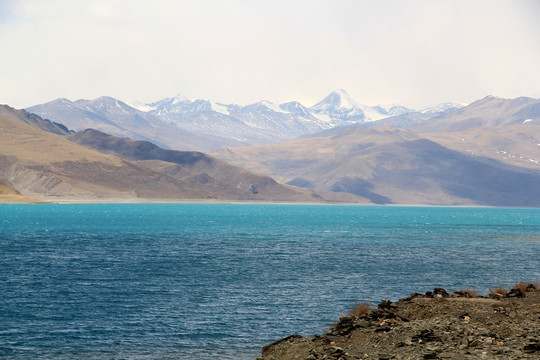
[[345, 101], [180, 99], [378, 112], [325, 118], [443, 108], [264, 122], [372, 113], [168, 103], [339, 109], [220, 108], [273, 107], [141, 106]]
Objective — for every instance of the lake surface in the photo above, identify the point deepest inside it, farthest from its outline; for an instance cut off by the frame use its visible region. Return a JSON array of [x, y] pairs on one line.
[[219, 281]]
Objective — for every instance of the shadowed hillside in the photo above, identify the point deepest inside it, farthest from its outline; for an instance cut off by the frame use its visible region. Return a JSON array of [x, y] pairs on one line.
[[47, 166], [34, 120], [392, 167], [195, 168], [9, 195], [44, 165], [487, 112]]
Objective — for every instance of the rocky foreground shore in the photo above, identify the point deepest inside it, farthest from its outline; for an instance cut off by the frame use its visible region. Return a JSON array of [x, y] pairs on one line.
[[434, 325]]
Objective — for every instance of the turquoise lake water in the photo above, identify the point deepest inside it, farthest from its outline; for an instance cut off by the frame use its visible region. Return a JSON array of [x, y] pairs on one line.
[[219, 281]]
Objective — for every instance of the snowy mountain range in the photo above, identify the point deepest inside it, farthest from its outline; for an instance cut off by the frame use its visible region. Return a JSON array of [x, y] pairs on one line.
[[187, 124]]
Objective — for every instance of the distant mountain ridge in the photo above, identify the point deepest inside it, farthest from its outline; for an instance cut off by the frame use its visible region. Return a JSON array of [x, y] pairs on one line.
[[34, 120], [392, 166], [490, 111], [116, 118], [194, 168], [37, 163], [45, 165], [485, 153], [184, 124]]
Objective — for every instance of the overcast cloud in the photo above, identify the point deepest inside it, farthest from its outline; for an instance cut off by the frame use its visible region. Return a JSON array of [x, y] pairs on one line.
[[415, 53]]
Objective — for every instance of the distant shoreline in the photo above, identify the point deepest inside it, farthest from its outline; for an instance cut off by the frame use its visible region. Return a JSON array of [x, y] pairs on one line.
[[21, 200], [6, 200]]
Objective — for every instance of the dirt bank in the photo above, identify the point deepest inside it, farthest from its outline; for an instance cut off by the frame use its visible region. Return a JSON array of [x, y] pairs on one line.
[[435, 325]]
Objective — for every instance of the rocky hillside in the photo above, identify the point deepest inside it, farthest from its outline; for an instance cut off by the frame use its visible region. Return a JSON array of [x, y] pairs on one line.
[[225, 181], [34, 120], [397, 166], [118, 118], [487, 112], [435, 325], [40, 162], [44, 165], [196, 124], [9, 195]]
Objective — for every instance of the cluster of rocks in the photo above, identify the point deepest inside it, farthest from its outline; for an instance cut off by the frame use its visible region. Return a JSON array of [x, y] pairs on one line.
[[434, 325]]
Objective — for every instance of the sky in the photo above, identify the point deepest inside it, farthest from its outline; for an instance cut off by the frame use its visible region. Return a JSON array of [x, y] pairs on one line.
[[416, 53]]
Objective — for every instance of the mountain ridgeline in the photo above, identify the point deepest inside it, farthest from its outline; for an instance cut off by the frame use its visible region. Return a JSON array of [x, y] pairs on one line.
[[184, 124], [197, 169], [47, 166], [485, 153], [393, 167]]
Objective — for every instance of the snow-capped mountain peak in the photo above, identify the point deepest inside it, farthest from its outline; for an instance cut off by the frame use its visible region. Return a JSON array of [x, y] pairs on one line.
[[141, 106], [338, 99], [443, 108], [169, 102], [338, 109], [180, 98], [257, 123], [295, 107], [270, 106], [378, 112], [105, 104], [263, 122]]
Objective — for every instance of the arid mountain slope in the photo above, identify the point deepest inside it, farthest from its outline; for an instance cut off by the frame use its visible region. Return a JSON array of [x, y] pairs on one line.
[[117, 118], [196, 124], [195, 168], [47, 166], [487, 112], [517, 145], [392, 167], [8, 195], [50, 167], [6, 189], [34, 120]]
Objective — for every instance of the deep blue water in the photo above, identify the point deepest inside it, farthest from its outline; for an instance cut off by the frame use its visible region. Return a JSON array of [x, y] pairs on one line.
[[219, 281]]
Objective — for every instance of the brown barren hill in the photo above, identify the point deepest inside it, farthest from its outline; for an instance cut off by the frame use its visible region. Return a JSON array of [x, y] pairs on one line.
[[392, 166], [94, 166], [34, 120], [517, 145], [487, 112], [47, 166], [227, 181], [8, 195], [436, 325]]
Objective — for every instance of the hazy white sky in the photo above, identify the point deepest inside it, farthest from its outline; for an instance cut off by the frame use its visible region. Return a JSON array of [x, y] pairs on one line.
[[415, 53]]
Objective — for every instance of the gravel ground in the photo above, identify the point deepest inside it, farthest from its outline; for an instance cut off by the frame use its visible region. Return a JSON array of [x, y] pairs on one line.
[[435, 325]]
